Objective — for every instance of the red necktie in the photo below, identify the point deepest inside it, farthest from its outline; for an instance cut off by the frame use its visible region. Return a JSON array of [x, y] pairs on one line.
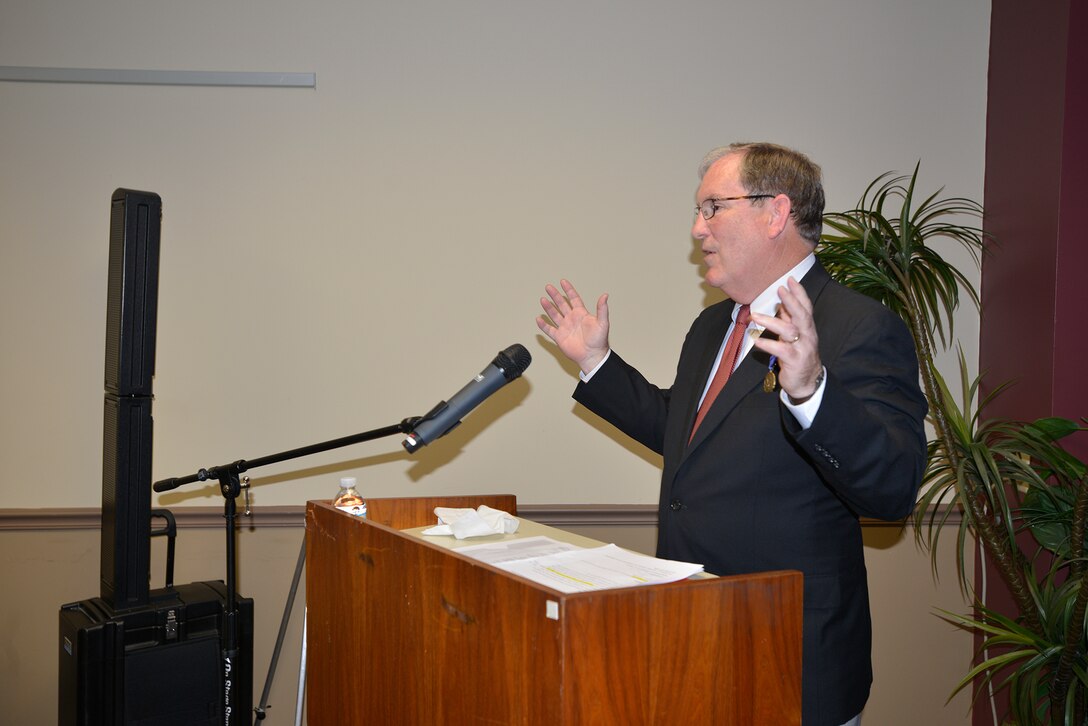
[[725, 367]]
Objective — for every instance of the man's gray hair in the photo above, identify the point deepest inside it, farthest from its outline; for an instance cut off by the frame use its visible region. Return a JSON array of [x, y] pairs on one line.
[[773, 169]]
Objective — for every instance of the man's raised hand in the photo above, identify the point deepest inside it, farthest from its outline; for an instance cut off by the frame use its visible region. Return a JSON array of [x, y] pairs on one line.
[[582, 337]]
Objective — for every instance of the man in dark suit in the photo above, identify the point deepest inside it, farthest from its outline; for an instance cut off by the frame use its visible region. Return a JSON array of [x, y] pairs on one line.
[[819, 418]]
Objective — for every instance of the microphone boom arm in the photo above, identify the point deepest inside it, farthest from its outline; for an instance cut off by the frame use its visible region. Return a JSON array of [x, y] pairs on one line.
[[237, 467]]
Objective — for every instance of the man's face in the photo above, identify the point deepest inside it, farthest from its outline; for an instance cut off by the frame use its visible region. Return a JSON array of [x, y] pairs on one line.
[[735, 245]]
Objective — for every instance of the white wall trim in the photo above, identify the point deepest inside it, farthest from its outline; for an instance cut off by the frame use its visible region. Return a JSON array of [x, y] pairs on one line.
[[30, 74]]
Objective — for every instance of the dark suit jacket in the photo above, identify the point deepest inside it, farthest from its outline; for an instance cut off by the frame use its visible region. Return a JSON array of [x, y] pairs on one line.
[[755, 492]]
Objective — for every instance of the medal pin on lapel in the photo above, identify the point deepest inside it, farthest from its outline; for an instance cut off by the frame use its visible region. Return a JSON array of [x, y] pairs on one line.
[[770, 380]]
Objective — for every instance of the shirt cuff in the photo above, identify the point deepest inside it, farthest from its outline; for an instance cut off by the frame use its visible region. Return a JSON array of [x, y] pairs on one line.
[[805, 413], [586, 376]]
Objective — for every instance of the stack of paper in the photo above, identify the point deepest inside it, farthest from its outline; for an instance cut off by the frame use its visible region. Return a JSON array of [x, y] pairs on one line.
[[568, 568]]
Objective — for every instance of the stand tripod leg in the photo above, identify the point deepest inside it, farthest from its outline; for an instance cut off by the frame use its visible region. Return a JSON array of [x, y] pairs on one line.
[[300, 698], [263, 706]]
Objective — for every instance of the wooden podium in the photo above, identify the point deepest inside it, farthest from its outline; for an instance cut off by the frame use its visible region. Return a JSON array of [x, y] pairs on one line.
[[403, 631]]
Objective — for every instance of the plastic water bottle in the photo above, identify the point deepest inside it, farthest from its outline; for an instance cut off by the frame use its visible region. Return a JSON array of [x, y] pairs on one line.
[[349, 499]]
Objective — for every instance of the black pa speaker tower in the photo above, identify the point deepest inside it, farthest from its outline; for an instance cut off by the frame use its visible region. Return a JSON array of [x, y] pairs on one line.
[[136, 656], [131, 306]]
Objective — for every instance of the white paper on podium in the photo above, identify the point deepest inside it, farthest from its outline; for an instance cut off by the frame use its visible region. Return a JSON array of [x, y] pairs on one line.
[[558, 566], [513, 550]]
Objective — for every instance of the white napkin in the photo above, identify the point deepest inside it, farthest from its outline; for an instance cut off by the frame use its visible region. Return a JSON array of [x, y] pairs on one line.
[[480, 522]]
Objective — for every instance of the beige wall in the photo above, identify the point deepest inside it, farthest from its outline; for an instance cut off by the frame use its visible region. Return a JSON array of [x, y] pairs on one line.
[[336, 259], [917, 657]]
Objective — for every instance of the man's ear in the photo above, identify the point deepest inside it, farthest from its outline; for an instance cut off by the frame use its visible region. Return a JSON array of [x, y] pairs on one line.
[[780, 208]]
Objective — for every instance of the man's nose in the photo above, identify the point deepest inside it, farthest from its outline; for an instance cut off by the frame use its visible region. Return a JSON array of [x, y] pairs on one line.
[[699, 228]]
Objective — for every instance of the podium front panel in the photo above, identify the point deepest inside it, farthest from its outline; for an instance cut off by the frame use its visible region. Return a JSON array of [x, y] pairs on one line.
[[403, 631]]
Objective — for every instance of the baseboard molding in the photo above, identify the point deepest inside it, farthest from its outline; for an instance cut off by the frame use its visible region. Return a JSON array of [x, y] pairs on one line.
[[553, 515]]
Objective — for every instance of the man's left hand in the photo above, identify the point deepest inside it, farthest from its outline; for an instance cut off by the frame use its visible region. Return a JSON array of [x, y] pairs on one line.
[[797, 347]]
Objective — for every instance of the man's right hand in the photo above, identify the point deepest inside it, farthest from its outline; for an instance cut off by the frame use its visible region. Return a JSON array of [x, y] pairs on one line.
[[580, 336]]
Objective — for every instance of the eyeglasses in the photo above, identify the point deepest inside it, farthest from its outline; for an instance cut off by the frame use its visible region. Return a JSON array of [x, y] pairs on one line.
[[713, 204]]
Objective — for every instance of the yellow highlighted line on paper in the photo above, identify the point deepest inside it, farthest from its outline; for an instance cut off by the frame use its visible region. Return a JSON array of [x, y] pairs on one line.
[[563, 574]]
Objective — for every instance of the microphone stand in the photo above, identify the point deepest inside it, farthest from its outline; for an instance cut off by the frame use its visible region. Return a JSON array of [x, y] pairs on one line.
[[230, 486]]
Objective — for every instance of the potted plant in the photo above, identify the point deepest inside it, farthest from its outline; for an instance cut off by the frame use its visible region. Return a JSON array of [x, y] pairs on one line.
[[1004, 476]]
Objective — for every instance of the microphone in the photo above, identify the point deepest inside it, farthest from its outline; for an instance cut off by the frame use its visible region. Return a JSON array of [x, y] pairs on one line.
[[440, 420]]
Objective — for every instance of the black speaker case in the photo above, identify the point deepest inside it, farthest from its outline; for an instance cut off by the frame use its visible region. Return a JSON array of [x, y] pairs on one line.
[[161, 665]]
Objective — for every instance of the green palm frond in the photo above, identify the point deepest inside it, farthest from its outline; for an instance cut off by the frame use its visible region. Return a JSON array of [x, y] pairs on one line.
[[890, 259], [991, 462], [1024, 660]]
